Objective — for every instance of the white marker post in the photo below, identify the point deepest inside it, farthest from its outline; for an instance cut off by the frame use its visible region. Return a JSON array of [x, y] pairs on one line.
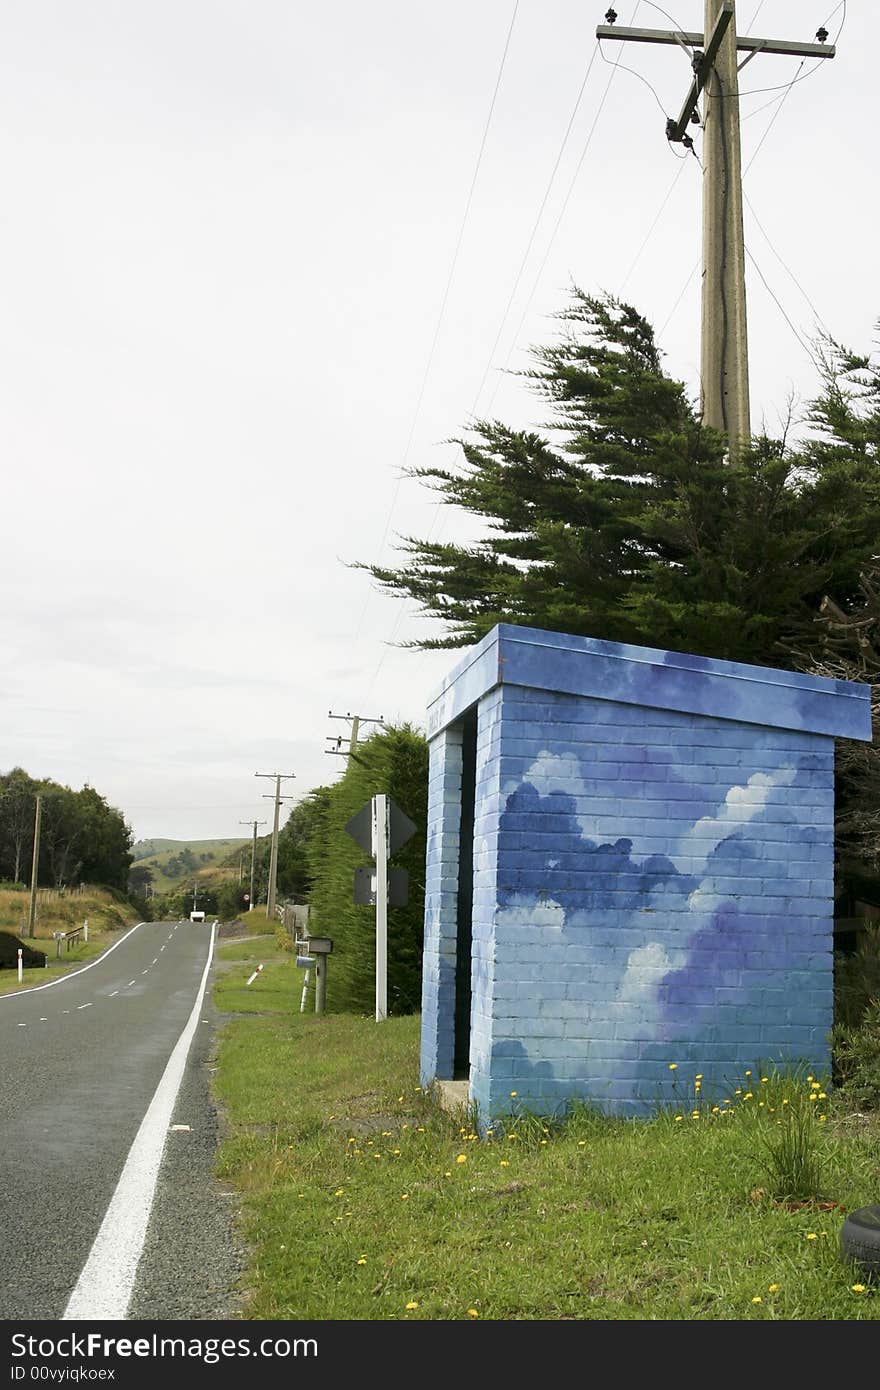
[[380, 854], [255, 974], [19, 965]]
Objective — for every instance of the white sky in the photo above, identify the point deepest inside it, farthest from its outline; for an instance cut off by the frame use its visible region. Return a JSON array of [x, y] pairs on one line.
[[227, 229]]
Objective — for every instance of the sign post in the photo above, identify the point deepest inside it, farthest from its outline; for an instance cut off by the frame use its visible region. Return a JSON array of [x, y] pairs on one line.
[[380, 855], [380, 828]]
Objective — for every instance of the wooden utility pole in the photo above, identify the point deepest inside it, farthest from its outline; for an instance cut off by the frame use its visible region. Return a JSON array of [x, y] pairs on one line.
[[35, 864], [253, 858], [273, 857], [724, 361], [355, 720]]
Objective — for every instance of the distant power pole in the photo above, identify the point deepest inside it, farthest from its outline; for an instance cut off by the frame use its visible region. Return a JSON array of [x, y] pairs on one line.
[[355, 720], [35, 863], [253, 858], [273, 858], [724, 364]]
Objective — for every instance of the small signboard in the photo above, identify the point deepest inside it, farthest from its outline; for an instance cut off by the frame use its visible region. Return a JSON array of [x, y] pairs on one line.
[[365, 887]]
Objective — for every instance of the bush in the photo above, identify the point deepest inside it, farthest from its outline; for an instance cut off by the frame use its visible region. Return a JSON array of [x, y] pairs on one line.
[[857, 980], [856, 1052]]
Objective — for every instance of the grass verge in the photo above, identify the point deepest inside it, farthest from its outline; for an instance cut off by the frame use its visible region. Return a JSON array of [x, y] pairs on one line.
[[107, 916], [362, 1199]]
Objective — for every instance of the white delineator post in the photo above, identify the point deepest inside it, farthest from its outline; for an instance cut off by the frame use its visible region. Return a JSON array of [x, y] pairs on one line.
[[19, 965], [255, 974], [380, 854]]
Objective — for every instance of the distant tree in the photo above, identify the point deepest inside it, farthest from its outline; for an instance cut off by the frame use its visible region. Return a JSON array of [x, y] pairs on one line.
[[18, 794]]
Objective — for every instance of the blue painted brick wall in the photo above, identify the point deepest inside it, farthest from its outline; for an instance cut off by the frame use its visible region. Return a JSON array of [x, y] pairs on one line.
[[647, 890], [651, 885]]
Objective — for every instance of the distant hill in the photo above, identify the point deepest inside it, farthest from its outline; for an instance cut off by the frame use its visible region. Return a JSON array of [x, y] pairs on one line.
[[179, 861]]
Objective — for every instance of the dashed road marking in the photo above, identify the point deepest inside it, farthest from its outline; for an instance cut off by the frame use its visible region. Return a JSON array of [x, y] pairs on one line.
[[131, 982], [22, 1025], [84, 1006], [113, 992]]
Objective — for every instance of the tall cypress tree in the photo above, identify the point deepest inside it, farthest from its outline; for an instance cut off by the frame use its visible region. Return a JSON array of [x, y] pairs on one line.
[[624, 520]]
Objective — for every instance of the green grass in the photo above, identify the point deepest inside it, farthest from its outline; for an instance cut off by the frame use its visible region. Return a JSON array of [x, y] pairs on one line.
[[359, 1195]]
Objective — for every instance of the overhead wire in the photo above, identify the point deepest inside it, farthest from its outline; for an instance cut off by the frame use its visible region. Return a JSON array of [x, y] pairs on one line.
[[401, 613], [443, 304]]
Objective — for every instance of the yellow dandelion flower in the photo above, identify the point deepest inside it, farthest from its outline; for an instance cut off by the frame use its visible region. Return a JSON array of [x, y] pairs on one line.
[[461, 1158], [757, 1298], [823, 1095], [411, 1306], [811, 1235], [822, 1118], [582, 1143], [339, 1192], [813, 1096], [678, 1117], [504, 1163], [472, 1313], [513, 1095], [418, 1088], [858, 1288], [773, 1288], [809, 1078], [785, 1101], [699, 1076], [715, 1109], [695, 1114], [673, 1066], [447, 1174], [765, 1079], [404, 1196], [362, 1260], [420, 1129], [400, 1097]]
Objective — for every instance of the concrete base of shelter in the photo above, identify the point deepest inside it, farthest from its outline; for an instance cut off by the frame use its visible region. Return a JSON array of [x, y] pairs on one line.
[[453, 1095]]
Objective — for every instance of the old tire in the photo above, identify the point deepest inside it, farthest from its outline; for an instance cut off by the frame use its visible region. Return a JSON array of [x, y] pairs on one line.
[[860, 1240]]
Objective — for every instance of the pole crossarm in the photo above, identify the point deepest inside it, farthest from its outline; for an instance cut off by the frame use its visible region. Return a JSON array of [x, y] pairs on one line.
[[679, 36]]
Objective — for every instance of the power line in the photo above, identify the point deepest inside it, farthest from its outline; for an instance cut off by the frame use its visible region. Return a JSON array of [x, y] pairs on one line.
[[669, 192], [785, 267], [442, 312], [534, 231], [807, 349]]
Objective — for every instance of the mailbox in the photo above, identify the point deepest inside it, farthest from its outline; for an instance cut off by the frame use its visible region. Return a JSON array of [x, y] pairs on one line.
[[305, 962], [321, 945]]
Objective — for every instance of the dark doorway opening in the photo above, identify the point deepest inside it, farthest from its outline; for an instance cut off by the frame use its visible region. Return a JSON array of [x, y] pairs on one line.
[[464, 937]]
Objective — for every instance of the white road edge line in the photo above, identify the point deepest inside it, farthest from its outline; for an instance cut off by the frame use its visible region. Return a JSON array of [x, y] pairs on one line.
[[32, 989], [104, 1287]]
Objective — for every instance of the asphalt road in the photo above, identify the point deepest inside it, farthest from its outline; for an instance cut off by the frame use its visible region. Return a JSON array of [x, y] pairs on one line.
[[81, 1063]]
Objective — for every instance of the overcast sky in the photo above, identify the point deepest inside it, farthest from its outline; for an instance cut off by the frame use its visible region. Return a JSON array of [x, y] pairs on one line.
[[249, 274]]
